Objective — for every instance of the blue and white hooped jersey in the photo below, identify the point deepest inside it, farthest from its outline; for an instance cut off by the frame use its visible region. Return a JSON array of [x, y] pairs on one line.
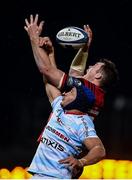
[[63, 136]]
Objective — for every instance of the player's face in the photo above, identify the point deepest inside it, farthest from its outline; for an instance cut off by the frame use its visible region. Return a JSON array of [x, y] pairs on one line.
[[69, 97], [93, 70]]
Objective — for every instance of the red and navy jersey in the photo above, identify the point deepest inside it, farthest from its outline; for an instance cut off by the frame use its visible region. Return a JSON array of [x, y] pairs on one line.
[[95, 90]]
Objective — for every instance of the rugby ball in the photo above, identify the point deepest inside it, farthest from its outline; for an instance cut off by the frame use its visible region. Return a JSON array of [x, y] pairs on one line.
[[72, 37]]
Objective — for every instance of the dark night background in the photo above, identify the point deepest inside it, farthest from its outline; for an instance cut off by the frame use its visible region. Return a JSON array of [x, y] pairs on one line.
[[24, 107]]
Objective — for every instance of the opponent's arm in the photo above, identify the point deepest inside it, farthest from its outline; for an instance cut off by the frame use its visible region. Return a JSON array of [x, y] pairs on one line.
[[78, 64], [52, 74], [47, 44], [51, 91]]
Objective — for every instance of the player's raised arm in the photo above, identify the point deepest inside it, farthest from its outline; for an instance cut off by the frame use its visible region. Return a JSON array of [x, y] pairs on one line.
[[78, 64], [34, 29]]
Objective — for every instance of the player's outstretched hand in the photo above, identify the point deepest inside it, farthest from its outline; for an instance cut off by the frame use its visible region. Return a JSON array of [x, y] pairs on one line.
[[33, 28]]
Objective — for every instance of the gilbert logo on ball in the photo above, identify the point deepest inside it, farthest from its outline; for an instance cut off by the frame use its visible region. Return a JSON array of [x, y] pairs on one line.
[[72, 37]]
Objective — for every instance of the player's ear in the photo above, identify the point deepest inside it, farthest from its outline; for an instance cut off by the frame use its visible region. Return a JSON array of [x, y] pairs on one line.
[[98, 75]]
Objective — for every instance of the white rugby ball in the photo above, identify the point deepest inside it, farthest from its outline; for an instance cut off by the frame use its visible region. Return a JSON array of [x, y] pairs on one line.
[[72, 37]]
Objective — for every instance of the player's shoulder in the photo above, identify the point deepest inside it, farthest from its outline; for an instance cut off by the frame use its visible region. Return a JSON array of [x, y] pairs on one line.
[[56, 101]]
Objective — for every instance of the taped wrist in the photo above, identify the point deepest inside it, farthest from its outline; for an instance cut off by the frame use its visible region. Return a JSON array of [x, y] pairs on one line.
[[83, 162], [79, 62]]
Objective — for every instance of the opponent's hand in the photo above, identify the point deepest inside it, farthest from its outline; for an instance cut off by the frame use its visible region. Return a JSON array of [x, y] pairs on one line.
[[88, 30], [46, 43], [33, 28]]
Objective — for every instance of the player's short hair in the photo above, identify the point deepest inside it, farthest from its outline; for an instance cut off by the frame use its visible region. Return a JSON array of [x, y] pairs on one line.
[[110, 74]]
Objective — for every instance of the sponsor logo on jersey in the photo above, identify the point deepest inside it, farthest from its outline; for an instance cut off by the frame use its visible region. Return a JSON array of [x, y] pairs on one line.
[[85, 125], [73, 82], [52, 144], [57, 133]]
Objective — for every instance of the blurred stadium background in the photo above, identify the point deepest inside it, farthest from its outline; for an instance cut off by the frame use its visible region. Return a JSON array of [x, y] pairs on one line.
[[24, 107], [105, 169]]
